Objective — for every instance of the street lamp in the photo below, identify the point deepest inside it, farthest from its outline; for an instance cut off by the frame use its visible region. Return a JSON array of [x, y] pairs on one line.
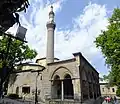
[[36, 97], [36, 89]]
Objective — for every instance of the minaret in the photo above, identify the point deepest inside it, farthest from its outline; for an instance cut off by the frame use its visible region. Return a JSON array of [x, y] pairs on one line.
[[50, 37]]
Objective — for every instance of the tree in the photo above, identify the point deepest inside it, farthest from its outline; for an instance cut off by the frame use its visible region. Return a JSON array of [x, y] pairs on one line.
[[12, 52], [8, 12], [109, 43], [118, 91]]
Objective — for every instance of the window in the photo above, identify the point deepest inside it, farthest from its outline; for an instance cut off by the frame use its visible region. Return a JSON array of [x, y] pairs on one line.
[[113, 90], [26, 90], [103, 89], [108, 89], [41, 78], [17, 90]]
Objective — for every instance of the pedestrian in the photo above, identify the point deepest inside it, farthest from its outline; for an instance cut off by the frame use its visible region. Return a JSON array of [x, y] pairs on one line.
[[115, 99]]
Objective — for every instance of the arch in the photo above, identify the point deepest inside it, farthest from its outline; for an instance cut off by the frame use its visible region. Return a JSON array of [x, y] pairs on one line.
[[68, 87], [93, 77], [56, 77], [84, 75], [90, 85], [89, 77], [66, 73], [67, 76], [84, 84], [63, 72], [56, 87], [17, 90]]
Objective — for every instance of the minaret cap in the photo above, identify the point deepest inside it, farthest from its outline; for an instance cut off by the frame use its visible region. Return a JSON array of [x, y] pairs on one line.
[[51, 22], [51, 10]]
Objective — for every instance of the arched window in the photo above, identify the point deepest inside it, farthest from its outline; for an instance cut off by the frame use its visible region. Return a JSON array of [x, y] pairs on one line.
[[113, 90], [56, 88], [102, 89], [68, 87]]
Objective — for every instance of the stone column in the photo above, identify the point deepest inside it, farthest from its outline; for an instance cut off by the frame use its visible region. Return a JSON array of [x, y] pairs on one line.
[[51, 90], [20, 91], [76, 89], [62, 94]]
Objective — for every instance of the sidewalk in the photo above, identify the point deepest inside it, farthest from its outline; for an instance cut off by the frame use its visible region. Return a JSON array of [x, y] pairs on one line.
[[11, 101], [107, 103]]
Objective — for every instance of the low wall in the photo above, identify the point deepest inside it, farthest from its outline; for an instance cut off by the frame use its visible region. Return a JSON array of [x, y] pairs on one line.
[[91, 101], [11, 101], [99, 100]]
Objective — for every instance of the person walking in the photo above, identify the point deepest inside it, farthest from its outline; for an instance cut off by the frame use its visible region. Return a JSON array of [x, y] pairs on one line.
[[115, 100]]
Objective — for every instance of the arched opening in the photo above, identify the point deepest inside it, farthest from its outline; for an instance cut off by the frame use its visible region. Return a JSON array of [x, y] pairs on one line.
[[84, 85], [56, 88], [68, 87], [90, 86], [94, 85], [17, 90]]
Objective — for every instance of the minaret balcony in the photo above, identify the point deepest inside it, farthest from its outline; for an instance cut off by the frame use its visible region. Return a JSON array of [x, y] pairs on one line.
[[51, 24]]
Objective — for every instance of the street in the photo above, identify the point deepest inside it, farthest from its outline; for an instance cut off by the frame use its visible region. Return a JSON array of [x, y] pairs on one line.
[[107, 103], [118, 102]]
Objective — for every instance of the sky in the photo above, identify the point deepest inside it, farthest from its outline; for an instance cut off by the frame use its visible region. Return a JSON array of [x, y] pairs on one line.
[[78, 23]]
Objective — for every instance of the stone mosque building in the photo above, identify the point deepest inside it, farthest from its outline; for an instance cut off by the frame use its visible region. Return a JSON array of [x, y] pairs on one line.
[[73, 79]]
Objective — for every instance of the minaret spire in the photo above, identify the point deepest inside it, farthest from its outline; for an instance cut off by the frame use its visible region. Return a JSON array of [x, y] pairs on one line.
[[50, 36], [51, 14]]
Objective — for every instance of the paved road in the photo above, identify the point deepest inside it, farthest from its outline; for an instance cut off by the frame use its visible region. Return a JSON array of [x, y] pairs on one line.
[[118, 102], [107, 103]]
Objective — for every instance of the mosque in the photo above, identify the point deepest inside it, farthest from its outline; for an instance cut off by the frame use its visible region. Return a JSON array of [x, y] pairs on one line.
[[73, 79]]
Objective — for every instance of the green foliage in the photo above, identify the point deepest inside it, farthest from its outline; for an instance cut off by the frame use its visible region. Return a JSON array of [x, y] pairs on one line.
[[16, 52], [12, 52], [109, 43], [9, 12], [118, 92]]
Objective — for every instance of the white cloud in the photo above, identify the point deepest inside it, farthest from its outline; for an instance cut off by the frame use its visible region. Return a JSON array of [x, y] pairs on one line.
[[80, 38], [87, 26], [36, 24]]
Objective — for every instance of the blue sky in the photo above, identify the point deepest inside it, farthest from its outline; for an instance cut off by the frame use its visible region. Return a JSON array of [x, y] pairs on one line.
[[76, 7], [78, 22]]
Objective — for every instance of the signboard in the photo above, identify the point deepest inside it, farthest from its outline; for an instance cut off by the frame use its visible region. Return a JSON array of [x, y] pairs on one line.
[[21, 32]]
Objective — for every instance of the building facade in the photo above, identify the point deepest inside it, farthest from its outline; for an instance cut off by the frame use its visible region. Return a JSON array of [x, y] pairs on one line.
[[107, 90], [72, 79]]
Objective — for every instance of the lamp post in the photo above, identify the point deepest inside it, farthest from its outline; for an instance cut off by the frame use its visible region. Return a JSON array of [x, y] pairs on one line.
[[36, 90], [20, 35]]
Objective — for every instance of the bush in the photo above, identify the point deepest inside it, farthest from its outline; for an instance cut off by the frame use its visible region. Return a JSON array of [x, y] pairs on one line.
[[13, 96], [118, 92]]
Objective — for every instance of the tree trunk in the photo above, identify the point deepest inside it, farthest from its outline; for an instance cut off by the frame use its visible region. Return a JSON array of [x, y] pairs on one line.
[[1, 87], [6, 85], [4, 76]]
